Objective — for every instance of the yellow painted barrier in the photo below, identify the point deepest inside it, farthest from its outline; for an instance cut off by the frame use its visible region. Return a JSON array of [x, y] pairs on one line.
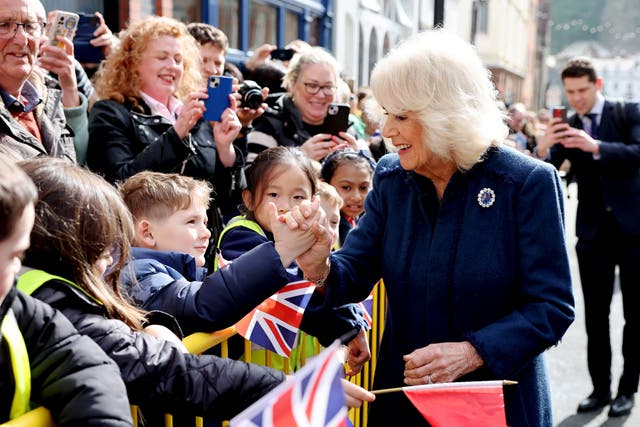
[[200, 342], [39, 417]]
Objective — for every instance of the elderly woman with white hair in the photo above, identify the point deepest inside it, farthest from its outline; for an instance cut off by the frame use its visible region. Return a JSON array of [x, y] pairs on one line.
[[467, 234], [297, 117]]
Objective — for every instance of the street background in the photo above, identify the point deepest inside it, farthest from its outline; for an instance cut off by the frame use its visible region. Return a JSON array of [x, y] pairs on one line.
[[567, 363]]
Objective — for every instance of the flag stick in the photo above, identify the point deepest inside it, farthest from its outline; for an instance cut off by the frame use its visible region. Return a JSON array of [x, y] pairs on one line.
[[396, 389], [387, 390]]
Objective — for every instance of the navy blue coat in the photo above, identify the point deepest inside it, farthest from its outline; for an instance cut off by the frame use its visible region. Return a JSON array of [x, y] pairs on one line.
[[496, 276]]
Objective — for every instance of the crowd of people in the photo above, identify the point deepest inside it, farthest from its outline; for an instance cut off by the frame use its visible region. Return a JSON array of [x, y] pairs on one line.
[[138, 221]]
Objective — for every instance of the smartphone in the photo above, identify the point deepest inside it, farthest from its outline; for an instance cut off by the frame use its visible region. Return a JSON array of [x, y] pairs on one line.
[[559, 112], [219, 89], [83, 51], [337, 119], [64, 24], [282, 54]]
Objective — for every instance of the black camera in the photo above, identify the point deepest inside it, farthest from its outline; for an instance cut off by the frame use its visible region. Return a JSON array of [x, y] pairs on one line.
[[251, 93]]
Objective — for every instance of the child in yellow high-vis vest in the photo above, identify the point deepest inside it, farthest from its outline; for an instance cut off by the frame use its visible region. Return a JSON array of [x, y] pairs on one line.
[[44, 361], [283, 176]]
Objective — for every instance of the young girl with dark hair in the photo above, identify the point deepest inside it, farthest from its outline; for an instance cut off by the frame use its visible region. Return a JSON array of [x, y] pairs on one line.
[[285, 176]]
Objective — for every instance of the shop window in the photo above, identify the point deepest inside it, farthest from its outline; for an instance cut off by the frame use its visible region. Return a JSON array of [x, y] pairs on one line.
[[263, 24], [228, 21], [74, 5], [314, 33], [291, 26], [187, 10]]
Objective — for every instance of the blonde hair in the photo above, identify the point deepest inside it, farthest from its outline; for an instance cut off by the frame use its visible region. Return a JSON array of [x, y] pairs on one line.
[[328, 193], [118, 78], [314, 55], [157, 195], [440, 77]]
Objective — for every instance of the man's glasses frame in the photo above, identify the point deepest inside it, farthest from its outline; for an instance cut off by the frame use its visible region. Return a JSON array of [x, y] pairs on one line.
[[8, 30]]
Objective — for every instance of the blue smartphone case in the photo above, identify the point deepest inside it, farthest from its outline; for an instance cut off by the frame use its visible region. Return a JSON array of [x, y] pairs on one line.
[[219, 88]]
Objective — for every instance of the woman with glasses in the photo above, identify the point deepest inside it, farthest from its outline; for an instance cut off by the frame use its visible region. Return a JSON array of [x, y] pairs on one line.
[[297, 117]]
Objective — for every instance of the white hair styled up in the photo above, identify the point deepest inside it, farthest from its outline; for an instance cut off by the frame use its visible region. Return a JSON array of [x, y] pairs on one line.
[[438, 76]]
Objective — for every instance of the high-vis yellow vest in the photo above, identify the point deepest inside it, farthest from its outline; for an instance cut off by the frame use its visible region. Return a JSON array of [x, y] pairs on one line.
[[31, 280], [237, 221], [19, 365]]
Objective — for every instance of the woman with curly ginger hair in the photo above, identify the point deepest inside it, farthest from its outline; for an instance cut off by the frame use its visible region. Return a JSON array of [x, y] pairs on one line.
[[149, 116]]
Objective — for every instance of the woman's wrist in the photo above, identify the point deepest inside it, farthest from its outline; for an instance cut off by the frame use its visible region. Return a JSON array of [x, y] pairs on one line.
[[320, 277], [227, 156]]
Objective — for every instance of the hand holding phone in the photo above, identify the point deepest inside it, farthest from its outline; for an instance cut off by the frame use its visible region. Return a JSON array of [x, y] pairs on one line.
[[64, 24], [337, 119], [83, 50], [219, 88], [559, 112]]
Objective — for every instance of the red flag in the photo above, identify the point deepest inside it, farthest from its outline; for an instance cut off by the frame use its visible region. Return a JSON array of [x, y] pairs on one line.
[[478, 404]]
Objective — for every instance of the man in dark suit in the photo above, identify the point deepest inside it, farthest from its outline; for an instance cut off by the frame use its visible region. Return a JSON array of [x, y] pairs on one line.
[[602, 142]]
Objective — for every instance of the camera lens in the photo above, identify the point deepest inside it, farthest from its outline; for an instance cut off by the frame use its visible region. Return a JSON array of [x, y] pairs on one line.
[[251, 94], [252, 99]]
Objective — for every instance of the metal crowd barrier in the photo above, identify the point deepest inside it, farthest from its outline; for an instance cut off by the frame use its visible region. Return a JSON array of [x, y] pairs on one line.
[[200, 342]]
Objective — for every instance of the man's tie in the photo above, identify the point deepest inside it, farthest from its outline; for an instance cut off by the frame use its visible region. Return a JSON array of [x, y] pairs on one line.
[[594, 125]]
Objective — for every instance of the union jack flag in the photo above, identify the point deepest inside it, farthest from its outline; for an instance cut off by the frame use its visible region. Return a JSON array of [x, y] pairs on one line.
[[313, 397], [274, 323]]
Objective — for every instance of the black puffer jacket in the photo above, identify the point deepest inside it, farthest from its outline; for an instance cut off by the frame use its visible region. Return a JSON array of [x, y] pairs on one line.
[[156, 372], [70, 375]]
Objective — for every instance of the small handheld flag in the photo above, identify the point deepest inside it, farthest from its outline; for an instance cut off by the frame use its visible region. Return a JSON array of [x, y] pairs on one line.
[[313, 397], [274, 323]]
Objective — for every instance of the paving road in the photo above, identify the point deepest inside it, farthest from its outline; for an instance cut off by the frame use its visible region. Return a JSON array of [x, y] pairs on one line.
[[567, 362]]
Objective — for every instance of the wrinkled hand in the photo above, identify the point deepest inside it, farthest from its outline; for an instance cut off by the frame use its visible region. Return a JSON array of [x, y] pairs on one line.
[[309, 216], [192, 111], [354, 395], [358, 353], [314, 262], [59, 60], [441, 362], [304, 215], [288, 242], [321, 145]]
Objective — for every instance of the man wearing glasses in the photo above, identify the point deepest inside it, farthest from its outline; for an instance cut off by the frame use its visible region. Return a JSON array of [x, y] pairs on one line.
[[37, 113]]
